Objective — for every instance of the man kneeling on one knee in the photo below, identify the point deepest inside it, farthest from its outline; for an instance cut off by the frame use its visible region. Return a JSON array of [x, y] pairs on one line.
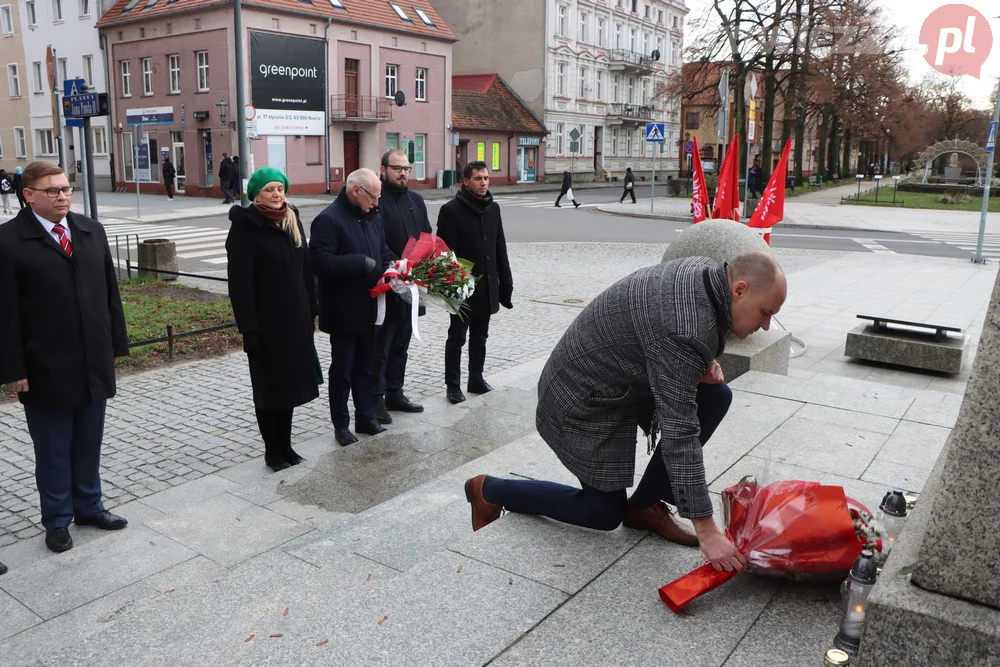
[[642, 354]]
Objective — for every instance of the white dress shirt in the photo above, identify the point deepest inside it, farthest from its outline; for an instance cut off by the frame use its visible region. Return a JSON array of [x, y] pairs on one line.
[[49, 226]]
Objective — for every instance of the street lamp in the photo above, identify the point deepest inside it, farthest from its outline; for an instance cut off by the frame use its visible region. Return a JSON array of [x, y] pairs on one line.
[[223, 108]]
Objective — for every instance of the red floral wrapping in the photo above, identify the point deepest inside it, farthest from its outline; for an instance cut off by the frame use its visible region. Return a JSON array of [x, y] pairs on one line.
[[792, 529], [419, 249]]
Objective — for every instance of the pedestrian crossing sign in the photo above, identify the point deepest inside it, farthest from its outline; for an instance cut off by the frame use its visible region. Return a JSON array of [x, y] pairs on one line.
[[654, 133], [991, 137]]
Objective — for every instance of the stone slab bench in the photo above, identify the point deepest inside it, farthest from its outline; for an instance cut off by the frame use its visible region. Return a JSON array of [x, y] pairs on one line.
[[904, 343]]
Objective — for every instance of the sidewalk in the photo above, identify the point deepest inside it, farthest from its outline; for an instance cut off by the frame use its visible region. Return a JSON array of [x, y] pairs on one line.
[[364, 555]]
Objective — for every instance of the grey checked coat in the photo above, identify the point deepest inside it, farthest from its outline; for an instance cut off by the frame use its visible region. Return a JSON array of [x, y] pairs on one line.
[[647, 340]]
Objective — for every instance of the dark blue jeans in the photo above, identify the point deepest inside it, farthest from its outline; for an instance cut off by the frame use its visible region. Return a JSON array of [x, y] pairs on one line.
[[67, 461], [605, 510]]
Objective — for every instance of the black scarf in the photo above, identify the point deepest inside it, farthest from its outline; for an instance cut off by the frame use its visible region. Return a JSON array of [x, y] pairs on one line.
[[474, 201]]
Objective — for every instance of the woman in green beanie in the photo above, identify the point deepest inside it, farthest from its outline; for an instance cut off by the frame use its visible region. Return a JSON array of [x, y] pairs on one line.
[[273, 293]]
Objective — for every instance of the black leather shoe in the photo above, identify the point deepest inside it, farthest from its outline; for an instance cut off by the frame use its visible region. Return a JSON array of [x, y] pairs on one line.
[[478, 386], [104, 520], [3, 569], [576, 204], [371, 427], [382, 412], [345, 437], [402, 404], [58, 539], [455, 395]]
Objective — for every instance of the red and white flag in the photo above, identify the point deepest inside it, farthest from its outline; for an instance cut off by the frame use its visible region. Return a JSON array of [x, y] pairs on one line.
[[771, 207], [727, 190], [699, 198]]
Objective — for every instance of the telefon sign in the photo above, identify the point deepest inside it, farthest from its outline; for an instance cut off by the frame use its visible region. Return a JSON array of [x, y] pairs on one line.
[[958, 39]]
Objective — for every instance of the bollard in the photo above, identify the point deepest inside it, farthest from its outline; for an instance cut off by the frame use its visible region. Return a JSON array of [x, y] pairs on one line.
[[170, 342], [158, 254]]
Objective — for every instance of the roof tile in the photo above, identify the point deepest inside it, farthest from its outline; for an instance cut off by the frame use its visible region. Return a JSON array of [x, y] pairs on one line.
[[486, 102]]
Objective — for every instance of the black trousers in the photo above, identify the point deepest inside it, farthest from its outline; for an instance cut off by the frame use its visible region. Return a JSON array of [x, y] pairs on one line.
[[561, 195], [275, 428], [170, 188], [628, 192], [20, 198], [351, 375], [391, 352], [478, 329], [605, 510], [67, 460], [226, 190]]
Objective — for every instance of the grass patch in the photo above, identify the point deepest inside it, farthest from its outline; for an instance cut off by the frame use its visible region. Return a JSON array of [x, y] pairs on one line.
[[932, 200]]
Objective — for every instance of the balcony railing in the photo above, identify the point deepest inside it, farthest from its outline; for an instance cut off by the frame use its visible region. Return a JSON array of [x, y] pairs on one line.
[[636, 111], [360, 107], [630, 59]]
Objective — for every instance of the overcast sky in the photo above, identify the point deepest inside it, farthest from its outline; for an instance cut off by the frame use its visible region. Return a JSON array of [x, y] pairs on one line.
[[908, 15]]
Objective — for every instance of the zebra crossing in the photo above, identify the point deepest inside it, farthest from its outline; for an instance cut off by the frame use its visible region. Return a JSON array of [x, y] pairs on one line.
[[205, 244], [527, 201], [967, 241]]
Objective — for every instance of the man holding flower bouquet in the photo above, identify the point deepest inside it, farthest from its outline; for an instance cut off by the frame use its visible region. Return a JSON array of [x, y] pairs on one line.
[[472, 227], [642, 354]]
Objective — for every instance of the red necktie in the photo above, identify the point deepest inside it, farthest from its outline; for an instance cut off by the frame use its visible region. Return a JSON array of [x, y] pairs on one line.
[[64, 241]]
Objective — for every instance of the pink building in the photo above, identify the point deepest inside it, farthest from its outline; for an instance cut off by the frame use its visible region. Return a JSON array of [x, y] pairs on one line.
[[322, 77]]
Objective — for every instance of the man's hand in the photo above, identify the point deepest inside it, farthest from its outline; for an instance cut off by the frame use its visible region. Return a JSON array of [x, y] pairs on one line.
[[718, 549], [714, 374], [18, 386]]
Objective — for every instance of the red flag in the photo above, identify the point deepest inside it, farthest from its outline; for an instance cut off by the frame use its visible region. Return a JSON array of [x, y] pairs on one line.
[[699, 198], [727, 190], [771, 207]]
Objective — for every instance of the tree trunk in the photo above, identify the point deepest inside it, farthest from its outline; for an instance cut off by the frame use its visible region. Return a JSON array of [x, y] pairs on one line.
[[845, 169]]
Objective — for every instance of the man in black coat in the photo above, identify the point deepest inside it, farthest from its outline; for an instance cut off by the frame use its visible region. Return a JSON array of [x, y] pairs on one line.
[[62, 329], [225, 176], [567, 188], [349, 255], [629, 185], [404, 216], [169, 174], [471, 226]]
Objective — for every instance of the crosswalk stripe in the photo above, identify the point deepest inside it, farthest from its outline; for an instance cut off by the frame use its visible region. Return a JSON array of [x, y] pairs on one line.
[[201, 253], [220, 260]]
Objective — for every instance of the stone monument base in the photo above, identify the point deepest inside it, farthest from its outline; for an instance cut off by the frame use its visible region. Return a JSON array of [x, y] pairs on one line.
[[765, 351], [157, 255], [915, 349]]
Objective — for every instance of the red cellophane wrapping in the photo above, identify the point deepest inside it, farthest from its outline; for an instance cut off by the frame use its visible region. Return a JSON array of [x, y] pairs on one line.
[[791, 529], [427, 245]]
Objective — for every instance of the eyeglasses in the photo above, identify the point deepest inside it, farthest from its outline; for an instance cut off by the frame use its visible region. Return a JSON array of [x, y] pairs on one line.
[[375, 197], [400, 168], [54, 192]]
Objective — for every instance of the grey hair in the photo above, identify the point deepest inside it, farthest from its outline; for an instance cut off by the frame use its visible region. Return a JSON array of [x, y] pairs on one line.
[[758, 268], [364, 177]]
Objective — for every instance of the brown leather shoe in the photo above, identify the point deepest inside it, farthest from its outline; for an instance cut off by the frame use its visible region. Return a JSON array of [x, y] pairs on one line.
[[483, 513], [659, 518]]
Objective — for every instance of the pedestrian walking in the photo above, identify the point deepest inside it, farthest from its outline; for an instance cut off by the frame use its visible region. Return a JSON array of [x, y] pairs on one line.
[[225, 176], [349, 255], [19, 186], [629, 186], [472, 226], [273, 293], [567, 188], [753, 180], [404, 217], [63, 329], [235, 180], [620, 366], [6, 190], [169, 174]]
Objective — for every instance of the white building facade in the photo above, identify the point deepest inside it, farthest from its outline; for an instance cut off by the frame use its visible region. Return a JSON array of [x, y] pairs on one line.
[[602, 80]]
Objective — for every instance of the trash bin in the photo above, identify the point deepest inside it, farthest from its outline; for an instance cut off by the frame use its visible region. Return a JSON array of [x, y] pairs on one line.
[[440, 179], [449, 178]]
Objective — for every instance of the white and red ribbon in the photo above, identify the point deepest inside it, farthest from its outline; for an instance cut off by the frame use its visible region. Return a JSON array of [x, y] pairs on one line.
[[398, 271]]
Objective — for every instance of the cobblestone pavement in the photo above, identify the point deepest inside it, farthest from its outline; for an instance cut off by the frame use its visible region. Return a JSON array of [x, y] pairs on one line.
[[188, 420]]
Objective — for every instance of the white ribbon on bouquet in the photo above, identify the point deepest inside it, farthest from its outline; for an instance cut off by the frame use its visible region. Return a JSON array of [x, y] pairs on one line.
[[397, 270]]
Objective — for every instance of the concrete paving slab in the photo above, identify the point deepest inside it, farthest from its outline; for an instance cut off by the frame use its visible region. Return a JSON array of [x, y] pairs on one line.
[[935, 407], [836, 449], [896, 475], [849, 418], [528, 457], [828, 390], [485, 421], [193, 492], [14, 617], [913, 444], [751, 418], [228, 529]]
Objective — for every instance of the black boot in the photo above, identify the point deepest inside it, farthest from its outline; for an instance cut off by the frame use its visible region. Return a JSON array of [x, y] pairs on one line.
[[478, 385], [453, 368], [274, 459], [381, 411]]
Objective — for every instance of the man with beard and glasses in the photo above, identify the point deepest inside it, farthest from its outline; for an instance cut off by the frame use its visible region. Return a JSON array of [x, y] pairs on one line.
[[404, 216], [471, 226]]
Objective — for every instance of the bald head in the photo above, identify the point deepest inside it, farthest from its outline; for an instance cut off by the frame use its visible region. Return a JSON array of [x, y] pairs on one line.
[[364, 188], [757, 290]]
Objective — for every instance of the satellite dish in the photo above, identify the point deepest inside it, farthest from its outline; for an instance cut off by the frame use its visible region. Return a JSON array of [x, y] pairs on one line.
[[655, 55], [400, 98]]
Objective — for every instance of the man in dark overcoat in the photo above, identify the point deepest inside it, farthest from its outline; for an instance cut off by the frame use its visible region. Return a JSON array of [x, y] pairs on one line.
[[169, 174], [567, 188], [349, 255], [628, 185], [471, 225], [404, 217], [642, 354], [225, 177], [61, 329]]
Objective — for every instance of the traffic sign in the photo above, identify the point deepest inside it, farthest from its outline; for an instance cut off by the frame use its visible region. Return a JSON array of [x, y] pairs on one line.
[[654, 133], [689, 147], [574, 134], [724, 89], [991, 137], [751, 127], [81, 106], [251, 127]]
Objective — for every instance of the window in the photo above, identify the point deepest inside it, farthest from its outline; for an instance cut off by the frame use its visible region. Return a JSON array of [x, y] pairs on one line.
[[100, 139], [648, 11], [634, 39], [420, 92], [646, 41], [399, 12], [202, 70], [13, 80], [84, 8], [30, 9], [337, 3], [561, 21], [174, 63], [618, 35], [20, 143], [147, 76], [614, 141], [419, 163], [560, 130], [675, 23], [600, 86], [44, 143], [391, 140], [7, 20], [600, 32], [37, 79], [583, 83], [391, 80], [57, 14], [126, 79], [561, 80], [659, 16], [88, 69], [659, 46], [635, 6], [645, 92], [628, 143], [61, 71], [631, 90], [691, 120], [584, 19], [615, 96], [424, 17]]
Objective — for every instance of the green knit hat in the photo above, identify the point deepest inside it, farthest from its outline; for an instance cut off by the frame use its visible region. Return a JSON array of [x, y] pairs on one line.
[[262, 177]]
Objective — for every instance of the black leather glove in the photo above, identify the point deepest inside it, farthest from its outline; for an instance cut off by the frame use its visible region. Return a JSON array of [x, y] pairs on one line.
[[251, 342], [369, 264]]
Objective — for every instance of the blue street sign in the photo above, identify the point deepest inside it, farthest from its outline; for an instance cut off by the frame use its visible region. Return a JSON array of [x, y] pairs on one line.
[[81, 106], [991, 137], [689, 147], [142, 164], [150, 116], [654, 133], [74, 87]]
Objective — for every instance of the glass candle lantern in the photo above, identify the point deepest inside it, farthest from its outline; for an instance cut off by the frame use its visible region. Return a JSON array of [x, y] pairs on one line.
[[892, 516], [836, 658], [855, 590]]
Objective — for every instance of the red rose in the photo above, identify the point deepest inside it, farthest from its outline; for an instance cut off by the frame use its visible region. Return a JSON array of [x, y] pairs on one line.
[[878, 544]]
